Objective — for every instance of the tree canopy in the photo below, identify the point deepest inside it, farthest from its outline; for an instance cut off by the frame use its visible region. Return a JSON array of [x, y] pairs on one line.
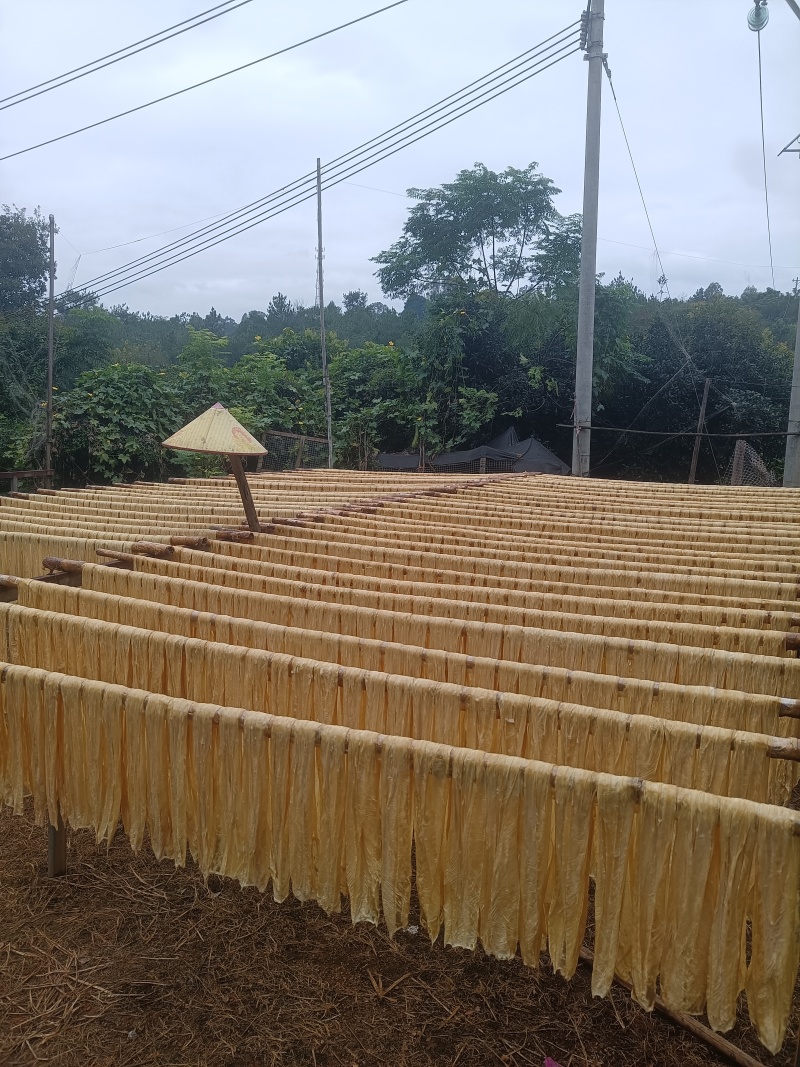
[[486, 337], [484, 231], [25, 258]]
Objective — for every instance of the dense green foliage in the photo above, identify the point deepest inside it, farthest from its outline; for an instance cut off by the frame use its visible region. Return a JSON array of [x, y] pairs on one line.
[[487, 269]]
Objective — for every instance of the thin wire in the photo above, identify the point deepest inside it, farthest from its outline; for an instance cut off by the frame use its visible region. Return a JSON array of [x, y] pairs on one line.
[[64, 237], [150, 237], [389, 192], [310, 177], [670, 434], [683, 255], [764, 158], [206, 81], [301, 198], [122, 53], [335, 173], [676, 338]]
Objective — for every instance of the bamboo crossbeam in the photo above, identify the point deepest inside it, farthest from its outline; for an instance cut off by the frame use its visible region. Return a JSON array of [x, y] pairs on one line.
[[200, 544], [66, 566], [784, 748], [115, 554], [225, 533], [153, 548], [790, 709]]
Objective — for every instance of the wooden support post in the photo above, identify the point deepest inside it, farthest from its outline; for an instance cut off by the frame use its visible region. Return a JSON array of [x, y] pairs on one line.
[[244, 492], [699, 435], [57, 849], [738, 462], [300, 447], [14, 484]]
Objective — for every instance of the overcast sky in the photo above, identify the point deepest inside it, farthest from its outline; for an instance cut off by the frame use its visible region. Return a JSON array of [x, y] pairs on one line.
[[686, 76]]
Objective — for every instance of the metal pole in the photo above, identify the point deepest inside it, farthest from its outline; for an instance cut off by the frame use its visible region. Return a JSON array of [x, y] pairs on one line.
[[325, 379], [591, 187], [791, 465], [698, 436], [48, 433]]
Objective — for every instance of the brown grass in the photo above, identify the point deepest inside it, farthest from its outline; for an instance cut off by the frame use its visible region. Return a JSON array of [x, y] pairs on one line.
[[131, 962]]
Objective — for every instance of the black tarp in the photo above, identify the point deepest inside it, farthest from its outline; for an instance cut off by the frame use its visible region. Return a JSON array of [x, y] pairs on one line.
[[505, 453]]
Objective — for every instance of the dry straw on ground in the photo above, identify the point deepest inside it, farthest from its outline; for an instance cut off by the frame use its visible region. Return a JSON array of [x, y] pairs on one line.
[[131, 962]]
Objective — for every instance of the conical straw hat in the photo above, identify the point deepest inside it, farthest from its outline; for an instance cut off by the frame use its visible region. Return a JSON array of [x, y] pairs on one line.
[[217, 431]]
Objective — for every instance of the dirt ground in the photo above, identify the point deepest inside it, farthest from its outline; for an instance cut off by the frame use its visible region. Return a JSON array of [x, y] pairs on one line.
[[131, 962]]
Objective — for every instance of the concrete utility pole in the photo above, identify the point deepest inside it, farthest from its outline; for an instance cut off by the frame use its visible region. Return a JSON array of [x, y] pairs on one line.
[[325, 379], [591, 187], [791, 463], [699, 434], [48, 433]]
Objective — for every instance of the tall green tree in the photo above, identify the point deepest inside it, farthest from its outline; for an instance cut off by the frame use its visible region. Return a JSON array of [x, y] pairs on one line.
[[24, 258], [484, 230]]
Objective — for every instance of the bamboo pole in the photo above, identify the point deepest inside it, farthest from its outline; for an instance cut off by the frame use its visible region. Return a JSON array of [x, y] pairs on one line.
[[688, 1022]]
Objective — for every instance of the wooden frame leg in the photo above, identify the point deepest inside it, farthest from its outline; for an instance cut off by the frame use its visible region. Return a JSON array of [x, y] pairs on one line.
[[57, 849], [244, 492]]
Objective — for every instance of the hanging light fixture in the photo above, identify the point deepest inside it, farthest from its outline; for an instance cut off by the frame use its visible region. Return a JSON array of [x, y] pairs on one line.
[[758, 17]]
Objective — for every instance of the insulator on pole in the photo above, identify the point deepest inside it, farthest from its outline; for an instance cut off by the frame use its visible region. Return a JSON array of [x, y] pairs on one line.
[[758, 17]]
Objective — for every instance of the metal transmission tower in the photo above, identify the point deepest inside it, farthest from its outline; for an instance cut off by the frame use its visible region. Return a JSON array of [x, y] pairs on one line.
[[592, 39]]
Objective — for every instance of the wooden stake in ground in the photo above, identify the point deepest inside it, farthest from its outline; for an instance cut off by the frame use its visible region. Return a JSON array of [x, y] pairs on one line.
[[217, 433], [698, 436], [57, 849]]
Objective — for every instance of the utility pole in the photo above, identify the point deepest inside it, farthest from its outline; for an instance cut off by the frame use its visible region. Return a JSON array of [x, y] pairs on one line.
[[791, 463], [591, 185], [325, 379], [698, 435], [48, 433]]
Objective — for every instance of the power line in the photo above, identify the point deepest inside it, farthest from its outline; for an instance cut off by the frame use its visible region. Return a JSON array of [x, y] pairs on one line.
[[434, 118], [681, 433], [399, 129], [122, 53], [206, 81], [675, 337], [331, 181], [680, 255], [764, 158]]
